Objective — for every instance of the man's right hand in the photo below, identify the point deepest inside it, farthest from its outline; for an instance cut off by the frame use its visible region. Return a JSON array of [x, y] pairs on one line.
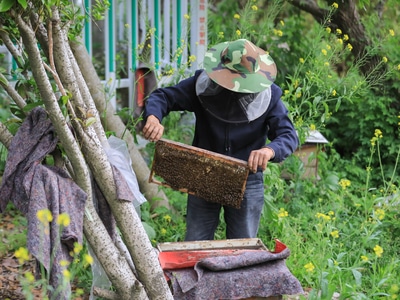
[[153, 130]]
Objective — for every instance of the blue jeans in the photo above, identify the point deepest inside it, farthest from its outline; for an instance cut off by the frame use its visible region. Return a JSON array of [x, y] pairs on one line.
[[202, 216]]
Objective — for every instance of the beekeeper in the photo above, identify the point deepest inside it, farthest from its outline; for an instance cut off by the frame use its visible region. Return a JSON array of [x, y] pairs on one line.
[[239, 113]]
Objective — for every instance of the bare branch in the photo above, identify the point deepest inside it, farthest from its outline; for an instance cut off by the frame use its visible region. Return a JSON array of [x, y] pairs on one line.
[[12, 92], [5, 136]]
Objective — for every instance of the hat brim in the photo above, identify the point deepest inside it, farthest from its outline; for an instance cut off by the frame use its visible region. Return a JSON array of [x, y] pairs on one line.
[[236, 81]]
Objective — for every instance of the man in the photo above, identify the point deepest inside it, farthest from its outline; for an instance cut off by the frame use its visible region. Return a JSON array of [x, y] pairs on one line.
[[238, 110]]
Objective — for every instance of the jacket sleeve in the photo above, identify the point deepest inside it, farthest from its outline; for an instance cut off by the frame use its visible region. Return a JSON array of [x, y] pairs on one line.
[[281, 133], [179, 97]]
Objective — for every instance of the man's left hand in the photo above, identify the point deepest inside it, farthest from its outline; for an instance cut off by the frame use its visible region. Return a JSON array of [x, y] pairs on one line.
[[259, 159]]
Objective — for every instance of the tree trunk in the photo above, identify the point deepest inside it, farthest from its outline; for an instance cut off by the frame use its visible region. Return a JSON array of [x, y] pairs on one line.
[[84, 149], [112, 122]]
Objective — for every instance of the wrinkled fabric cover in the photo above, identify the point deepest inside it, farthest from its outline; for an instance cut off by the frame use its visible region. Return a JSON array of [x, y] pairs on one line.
[[250, 274], [31, 187]]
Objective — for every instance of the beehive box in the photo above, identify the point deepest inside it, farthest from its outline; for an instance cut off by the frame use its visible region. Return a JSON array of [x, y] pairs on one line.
[[212, 176]]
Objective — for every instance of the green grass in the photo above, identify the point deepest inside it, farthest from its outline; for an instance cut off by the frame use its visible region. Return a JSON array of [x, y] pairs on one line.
[[13, 228]]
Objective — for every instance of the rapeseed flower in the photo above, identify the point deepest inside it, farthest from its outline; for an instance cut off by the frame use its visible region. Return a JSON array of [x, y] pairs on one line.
[[77, 248], [238, 32], [380, 213], [63, 219], [364, 258], [335, 234], [282, 213], [344, 183], [22, 255], [391, 32], [29, 277], [67, 274], [349, 46], [309, 267], [301, 60], [44, 216], [254, 7], [88, 259], [378, 250], [236, 16], [335, 5]]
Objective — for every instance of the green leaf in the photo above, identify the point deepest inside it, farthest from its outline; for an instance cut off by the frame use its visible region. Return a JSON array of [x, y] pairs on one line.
[[357, 276], [90, 121], [5, 5], [31, 106], [23, 3], [64, 99]]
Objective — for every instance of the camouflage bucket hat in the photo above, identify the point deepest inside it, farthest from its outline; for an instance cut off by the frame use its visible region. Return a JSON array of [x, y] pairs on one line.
[[240, 66]]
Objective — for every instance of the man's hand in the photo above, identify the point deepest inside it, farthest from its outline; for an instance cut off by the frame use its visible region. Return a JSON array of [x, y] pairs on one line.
[[153, 130], [259, 159]]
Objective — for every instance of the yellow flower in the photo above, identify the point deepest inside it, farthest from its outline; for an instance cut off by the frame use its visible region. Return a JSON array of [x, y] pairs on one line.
[[67, 274], [391, 32], [323, 216], [340, 41], [44, 216], [312, 127], [221, 34], [331, 213], [287, 92], [22, 255], [309, 267], [64, 263], [278, 32], [334, 93], [364, 258], [328, 29], [335, 234], [167, 218], [77, 248], [380, 213], [282, 213], [88, 259], [335, 5], [326, 64], [63, 219], [301, 60], [394, 289], [378, 250], [384, 59], [186, 16], [236, 16], [298, 94], [346, 37], [254, 7], [282, 23], [349, 46], [238, 33], [163, 231], [378, 133], [339, 31], [344, 183], [324, 52], [192, 58], [29, 277]]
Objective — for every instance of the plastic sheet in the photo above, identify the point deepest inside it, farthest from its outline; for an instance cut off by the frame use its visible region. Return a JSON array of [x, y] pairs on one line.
[[118, 155]]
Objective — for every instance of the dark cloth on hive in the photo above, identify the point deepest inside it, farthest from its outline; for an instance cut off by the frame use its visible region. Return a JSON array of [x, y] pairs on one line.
[[250, 274], [32, 187]]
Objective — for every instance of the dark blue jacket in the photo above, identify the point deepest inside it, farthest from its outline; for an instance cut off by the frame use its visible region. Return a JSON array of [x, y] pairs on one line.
[[235, 140]]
